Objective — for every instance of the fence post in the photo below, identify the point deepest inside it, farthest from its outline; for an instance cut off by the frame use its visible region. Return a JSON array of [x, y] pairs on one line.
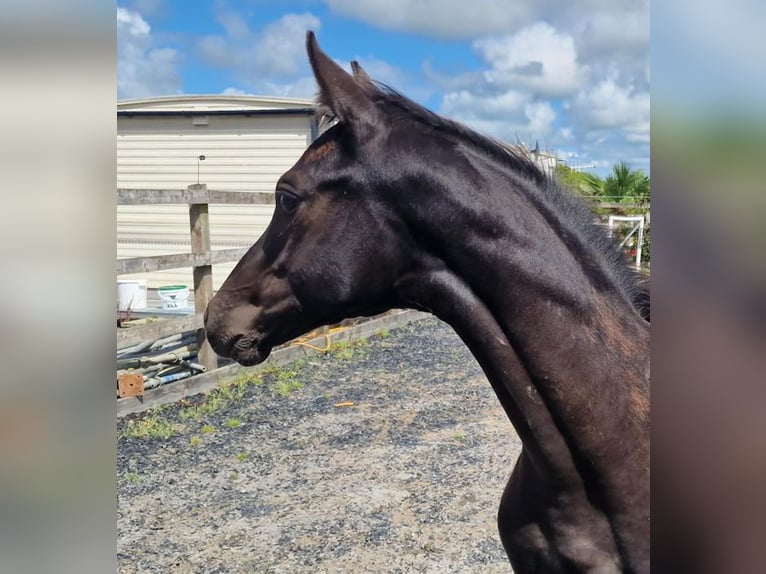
[[199, 225]]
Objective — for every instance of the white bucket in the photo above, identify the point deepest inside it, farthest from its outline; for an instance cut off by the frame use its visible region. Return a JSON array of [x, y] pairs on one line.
[[131, 294], [174, 296]]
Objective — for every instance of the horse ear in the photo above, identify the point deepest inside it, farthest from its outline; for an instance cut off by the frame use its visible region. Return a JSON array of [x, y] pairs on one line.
[[339, 93], [360, 75]]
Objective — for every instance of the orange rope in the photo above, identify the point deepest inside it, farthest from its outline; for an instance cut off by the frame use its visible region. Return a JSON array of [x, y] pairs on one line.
[[303, 341], [319, 349]]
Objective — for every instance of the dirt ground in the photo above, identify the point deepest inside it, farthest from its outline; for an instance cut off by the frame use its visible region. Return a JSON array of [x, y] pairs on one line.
[[390, 456]]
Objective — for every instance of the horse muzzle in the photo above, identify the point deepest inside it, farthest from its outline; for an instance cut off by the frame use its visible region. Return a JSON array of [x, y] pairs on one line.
[[233, 331]]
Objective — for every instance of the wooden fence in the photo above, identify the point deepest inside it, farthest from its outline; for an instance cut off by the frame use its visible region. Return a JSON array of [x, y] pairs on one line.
[[201, 259]]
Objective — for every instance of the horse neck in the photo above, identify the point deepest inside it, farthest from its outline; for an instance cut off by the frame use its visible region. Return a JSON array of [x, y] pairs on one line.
[[567, 358]]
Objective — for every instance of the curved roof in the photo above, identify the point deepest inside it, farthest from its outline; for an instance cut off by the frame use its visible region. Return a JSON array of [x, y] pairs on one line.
[[213, 103]]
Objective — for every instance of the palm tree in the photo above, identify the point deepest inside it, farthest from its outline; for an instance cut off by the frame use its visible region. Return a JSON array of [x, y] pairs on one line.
[[624, 185]]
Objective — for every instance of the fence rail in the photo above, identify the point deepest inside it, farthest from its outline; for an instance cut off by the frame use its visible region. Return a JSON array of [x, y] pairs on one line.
[[198, 193], [616, 205], [176, 260], [159, 329]]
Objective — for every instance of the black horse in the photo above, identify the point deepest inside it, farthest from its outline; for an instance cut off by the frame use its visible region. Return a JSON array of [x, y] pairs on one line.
[[394, 206]]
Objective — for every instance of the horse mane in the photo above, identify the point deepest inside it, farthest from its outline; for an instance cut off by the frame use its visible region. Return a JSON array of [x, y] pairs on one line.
[[565, 210]]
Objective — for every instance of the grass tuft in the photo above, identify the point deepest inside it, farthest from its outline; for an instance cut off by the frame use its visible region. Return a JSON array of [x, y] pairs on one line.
[[149, 426], [133, 477], [347, 350], [229, 393]]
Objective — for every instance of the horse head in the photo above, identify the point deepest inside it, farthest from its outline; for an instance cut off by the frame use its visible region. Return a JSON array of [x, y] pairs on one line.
[[327, 253]]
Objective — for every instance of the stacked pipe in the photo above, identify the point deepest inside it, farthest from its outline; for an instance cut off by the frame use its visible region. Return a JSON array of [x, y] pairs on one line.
[[163, 360]]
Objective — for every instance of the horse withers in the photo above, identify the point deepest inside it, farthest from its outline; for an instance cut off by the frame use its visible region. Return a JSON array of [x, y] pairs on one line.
[[394, 206]]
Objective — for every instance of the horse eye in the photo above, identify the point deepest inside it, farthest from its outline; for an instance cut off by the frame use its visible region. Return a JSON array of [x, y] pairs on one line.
[[287, 201]]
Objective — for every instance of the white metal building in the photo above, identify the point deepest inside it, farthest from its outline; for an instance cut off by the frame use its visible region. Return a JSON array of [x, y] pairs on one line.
[[247, 141]]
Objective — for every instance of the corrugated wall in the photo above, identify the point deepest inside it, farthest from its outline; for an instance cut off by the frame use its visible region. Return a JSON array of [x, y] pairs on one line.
[[241, 154]]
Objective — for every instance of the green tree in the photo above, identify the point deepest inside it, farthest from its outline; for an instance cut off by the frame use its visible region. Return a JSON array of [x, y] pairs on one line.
[[625, 185], [581, 182]]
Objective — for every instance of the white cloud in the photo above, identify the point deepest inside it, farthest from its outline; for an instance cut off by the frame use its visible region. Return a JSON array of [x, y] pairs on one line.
[[132, 23], [281, 48], [537, 57], [234, 24], [611, 121], [301, 87], [505, 115], [441, 18], [532, 85], [465, 102], [540, 116], [544, 65], [610, 104], [616, 30], [276, 51], [511, 98], [148, 7], [143, 70], [618, 25], [231, 91], [638, 132]]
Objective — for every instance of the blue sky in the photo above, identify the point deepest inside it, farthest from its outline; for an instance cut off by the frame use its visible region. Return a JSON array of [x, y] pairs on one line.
[[572, 76]]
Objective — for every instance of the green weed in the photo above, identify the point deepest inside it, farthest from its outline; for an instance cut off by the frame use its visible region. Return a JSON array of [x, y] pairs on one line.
[[230, 392], [246, 379], [150, 426], [343, 351], [285, 387], [133, 477], [287, 379]]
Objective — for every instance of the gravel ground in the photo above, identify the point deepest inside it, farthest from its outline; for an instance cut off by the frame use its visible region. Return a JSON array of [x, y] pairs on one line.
[[406, 479]]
